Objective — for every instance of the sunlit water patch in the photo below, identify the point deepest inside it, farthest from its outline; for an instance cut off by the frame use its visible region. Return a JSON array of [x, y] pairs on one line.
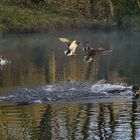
[[107, 120]]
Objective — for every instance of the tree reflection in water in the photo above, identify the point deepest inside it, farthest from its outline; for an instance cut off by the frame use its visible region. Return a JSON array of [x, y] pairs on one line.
[[88, 121]]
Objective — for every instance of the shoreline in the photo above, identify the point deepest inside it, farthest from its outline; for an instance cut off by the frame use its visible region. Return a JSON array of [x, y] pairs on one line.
[[33, 18], [63, 28]]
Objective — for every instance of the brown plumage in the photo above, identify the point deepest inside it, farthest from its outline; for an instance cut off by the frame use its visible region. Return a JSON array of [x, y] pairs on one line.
[[92, 52]]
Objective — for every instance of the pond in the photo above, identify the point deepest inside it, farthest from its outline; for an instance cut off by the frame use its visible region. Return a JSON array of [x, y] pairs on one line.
[[38, 60]]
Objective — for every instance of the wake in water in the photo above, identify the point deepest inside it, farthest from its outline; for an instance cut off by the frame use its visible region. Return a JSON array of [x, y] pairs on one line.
[[66, 92]]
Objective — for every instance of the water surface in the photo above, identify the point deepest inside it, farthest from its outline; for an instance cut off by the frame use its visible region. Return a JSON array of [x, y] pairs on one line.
[[38, 60]]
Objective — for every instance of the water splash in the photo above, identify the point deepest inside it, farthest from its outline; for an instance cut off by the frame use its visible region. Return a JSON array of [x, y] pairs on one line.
[[3, 61], [65, 92]]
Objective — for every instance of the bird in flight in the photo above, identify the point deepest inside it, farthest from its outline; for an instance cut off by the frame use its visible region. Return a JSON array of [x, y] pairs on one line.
[[71, 46], [92, 52]]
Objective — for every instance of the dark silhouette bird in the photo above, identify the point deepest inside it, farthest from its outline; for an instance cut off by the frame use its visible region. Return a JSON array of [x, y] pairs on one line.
[[92, 52], [70, 45]]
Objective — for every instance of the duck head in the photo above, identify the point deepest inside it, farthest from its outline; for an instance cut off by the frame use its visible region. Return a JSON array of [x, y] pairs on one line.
[[136, 88], [86, 46], [77, 42]]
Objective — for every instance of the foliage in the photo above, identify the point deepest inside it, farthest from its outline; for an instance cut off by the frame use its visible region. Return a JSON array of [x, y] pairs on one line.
[[35, 14], [125, 10], [25, 3]]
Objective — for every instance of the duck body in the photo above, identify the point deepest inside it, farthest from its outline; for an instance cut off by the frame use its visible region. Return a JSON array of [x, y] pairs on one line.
[[71, 46], [89, 55]]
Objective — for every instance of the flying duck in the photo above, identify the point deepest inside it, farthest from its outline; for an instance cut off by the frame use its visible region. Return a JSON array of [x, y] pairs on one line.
[[71, 46], [91, 52]]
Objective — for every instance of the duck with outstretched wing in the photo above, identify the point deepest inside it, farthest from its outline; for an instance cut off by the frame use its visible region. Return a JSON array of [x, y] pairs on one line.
[[92, 52], [70, 45]]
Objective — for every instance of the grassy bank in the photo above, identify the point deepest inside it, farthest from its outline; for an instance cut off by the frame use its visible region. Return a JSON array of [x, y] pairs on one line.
[[15, 18]]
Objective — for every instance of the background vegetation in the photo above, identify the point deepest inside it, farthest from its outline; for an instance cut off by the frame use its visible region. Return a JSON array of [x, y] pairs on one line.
[[34, 15]]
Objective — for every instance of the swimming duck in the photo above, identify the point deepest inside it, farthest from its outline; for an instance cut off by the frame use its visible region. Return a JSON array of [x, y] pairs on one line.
[[91, 52], [71, 46]]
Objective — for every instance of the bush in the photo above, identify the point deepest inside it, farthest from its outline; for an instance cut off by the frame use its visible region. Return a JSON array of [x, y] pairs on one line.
[[124, 11], [25, 3]]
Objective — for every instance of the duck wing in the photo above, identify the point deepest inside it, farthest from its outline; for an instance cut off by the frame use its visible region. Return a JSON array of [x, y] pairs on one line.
[[99, 49], [102, 51], [65, 40], [106, 52]]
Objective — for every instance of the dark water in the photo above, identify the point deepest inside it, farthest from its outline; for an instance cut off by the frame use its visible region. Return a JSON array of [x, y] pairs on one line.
[[38, 60]]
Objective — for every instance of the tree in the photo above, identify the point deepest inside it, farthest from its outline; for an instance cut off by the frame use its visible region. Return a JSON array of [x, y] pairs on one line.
[[125, 9]]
